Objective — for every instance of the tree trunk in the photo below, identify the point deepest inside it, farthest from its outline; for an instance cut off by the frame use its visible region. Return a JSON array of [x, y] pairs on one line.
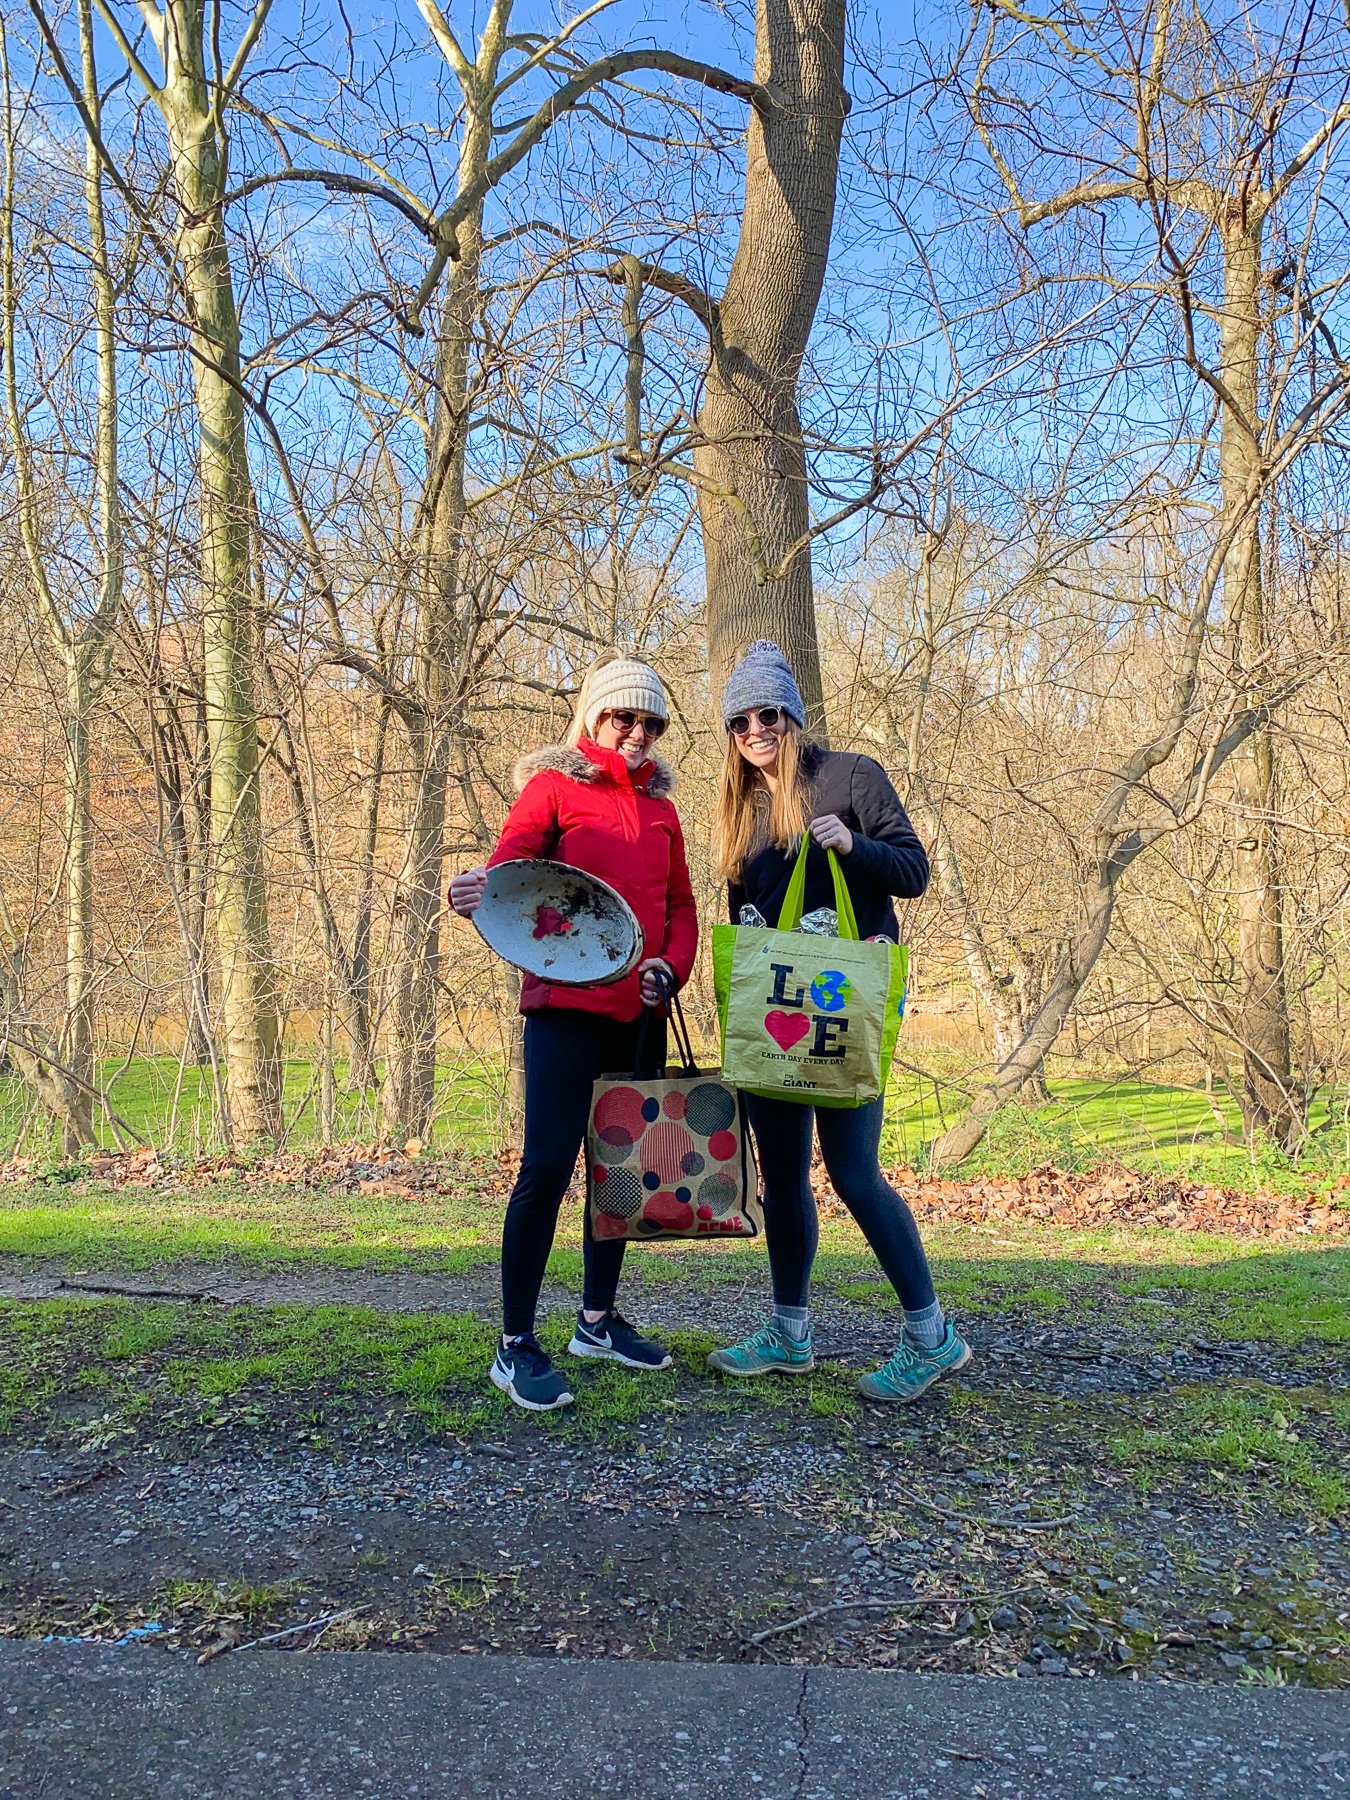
[[1014, 1073], [77, 638], [77, 1042], [197, 886], [184, 856], [248, 1001], [750, 460], [25, 1045], [1269, 1101], [361, 1072], [410, 1077]]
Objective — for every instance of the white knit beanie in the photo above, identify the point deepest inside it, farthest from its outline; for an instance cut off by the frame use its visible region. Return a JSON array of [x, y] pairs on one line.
[[625, 682]]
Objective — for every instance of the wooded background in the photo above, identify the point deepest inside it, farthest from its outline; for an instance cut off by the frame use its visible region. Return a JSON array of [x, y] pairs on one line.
[[366, 371]]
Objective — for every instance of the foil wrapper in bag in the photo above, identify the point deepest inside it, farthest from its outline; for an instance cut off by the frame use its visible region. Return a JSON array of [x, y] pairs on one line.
[[823, 922]]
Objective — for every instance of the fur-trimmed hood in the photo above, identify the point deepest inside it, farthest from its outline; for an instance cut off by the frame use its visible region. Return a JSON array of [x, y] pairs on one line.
[[566, 759]]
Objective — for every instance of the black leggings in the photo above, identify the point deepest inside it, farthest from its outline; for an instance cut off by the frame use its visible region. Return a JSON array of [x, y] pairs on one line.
[[849, 1141], [564, 1053]]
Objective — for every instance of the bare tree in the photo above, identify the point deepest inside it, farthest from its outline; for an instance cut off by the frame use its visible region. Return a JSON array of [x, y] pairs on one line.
[[1192, 131], [191, 99], [78, 633]]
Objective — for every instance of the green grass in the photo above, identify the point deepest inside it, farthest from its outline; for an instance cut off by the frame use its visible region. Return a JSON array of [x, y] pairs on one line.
[[227, 1598], [108, 1367], [1149, 1281], [269, 1224], [1247, 1434], [175, 1109], [120, 1350], [1155, 1127]]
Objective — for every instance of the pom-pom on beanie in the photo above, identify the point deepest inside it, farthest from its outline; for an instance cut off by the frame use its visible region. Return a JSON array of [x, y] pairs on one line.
[[623, 682], [762, 678]]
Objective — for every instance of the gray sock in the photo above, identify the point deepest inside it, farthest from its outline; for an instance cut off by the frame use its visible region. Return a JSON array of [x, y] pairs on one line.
[[927, 1327], [793, 1321]]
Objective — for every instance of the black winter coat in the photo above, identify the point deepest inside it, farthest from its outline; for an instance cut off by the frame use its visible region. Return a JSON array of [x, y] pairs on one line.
[[886, 858]]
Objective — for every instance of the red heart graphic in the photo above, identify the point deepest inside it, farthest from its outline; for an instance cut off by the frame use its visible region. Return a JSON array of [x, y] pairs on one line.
[[787, 1029]]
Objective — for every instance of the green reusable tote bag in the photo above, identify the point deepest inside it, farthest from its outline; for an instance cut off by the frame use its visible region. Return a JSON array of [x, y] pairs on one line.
[[805, 1017]]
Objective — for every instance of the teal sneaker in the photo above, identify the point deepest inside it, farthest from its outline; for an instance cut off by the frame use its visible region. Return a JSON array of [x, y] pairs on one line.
[[913, 1370], [765, 1352]]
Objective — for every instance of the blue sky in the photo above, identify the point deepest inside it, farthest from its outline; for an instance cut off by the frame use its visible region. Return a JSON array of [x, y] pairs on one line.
[[912, 226]]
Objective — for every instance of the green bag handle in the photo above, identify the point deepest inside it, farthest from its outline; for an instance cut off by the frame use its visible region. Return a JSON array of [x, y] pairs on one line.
[[795, 898]]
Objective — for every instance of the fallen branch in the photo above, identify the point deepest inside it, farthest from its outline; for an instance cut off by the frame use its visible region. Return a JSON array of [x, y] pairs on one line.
[[137, 1293], [1006, 1522], [324, 1620], [900, 1603]]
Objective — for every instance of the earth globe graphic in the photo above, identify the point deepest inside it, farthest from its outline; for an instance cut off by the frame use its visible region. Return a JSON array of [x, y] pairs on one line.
[[831, 991]]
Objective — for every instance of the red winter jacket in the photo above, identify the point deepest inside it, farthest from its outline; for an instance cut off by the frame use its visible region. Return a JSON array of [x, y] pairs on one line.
[[582, 806]]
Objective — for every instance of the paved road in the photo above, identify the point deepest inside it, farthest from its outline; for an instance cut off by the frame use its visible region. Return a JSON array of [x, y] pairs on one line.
[[120, 1724]]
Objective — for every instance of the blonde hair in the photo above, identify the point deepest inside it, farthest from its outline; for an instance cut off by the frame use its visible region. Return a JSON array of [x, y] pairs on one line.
[[750, 812], [577, 729]]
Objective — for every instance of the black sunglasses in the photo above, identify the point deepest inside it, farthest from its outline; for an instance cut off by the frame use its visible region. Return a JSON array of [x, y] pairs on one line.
[[650, 724], [768, 717]]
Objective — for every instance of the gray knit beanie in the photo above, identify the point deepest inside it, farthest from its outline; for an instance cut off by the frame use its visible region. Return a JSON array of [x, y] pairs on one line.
[[762, 678], [624, 682]]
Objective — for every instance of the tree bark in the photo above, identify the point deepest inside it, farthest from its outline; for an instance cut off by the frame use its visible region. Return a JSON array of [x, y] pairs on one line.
[[750, 460], [77, 1041], [361, 1073], [1269, 1099], [78, 642], [248, 997], [410, 1076]]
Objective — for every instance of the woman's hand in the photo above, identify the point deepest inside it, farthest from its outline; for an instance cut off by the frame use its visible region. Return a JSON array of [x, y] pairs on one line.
[[650, 991], [831, 833], [466, 891]]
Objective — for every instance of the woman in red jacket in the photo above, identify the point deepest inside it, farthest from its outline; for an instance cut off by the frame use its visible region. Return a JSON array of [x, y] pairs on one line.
[[601, 802]]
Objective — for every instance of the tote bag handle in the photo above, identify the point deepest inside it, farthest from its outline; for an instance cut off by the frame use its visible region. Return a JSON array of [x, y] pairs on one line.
[[679, 1031], [795, 898]]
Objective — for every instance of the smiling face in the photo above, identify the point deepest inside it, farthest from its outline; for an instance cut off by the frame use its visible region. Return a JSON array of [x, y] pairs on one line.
[[634, 743], [758, 744]]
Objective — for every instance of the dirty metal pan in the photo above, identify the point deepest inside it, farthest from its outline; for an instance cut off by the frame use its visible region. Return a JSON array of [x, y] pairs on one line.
[[559, 923]]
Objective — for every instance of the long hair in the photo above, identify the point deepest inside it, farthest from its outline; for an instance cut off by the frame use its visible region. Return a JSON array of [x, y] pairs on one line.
[[750, 813], [577, 729]]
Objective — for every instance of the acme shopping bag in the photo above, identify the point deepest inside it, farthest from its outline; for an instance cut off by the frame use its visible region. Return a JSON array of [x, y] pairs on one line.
[[806, 1017], [669, 1156]]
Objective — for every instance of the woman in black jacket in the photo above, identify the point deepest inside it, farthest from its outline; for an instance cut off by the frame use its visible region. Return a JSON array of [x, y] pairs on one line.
[[775, 785]]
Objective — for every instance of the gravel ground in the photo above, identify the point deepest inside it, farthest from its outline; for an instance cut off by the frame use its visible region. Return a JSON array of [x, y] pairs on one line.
[[985, 1532]]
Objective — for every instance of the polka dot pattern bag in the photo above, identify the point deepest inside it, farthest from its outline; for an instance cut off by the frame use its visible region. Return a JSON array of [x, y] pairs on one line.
[[669, 1156]]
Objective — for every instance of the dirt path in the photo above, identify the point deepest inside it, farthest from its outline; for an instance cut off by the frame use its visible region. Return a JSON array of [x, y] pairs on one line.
[[1069, 1362], [239, 1283], [996, 1528]]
